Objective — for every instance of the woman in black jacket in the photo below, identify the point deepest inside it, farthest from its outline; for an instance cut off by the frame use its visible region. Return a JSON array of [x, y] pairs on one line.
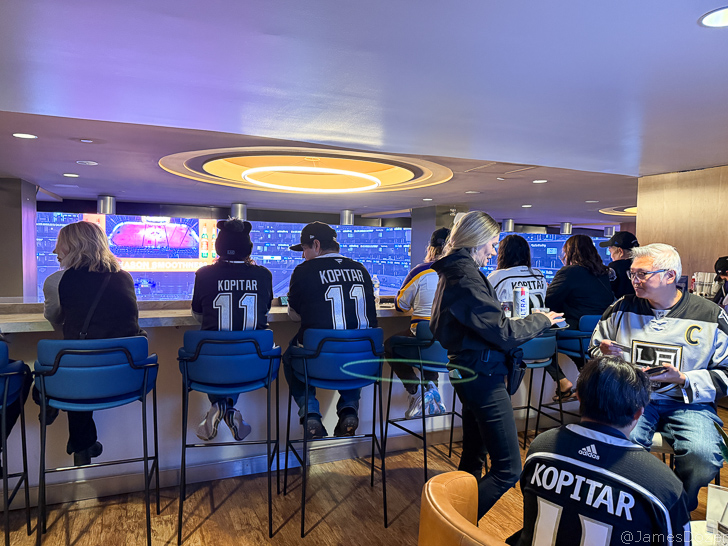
[[468, 321]]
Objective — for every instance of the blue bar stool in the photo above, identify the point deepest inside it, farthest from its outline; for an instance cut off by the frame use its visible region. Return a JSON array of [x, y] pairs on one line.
[[221, 363], [13, 374], [337, 360], [426, 354], [91, 375]]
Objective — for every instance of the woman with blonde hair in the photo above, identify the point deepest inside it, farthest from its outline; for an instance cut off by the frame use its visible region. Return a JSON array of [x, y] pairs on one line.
[[468, 321], [88, 268]]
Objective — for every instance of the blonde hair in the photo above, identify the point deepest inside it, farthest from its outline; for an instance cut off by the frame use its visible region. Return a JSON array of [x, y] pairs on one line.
[[87, 246], [472, 230]]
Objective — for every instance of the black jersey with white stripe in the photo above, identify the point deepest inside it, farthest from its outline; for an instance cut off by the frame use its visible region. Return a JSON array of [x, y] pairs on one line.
[[233, 296], [587, 484], [332, 292]]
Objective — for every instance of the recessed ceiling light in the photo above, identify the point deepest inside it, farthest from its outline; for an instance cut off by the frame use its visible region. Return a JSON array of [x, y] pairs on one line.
[[500, 178], [472, 191], [24, 135], [591, 201], [86, 140], [526, 206], [65, 185], [87, 162], [715, 19], [540, 181], [70, 175], [427, 199]]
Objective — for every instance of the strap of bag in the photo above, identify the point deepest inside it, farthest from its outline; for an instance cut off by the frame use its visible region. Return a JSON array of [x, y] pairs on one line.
[[92, 309]]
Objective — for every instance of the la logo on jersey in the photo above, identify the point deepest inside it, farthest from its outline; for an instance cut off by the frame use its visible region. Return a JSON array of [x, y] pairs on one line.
[[589, 451], [656, 354]]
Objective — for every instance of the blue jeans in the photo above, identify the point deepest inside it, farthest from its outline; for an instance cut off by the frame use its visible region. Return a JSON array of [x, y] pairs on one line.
[[489, 426], [689, 429], [348, 399]]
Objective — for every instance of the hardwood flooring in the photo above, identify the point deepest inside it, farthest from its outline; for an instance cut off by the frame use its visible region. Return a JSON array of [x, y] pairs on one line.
[[342, 509]]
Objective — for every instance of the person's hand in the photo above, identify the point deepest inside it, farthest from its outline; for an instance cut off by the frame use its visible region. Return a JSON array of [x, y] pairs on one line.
[[552, 316], [607, 347], [670, 375]]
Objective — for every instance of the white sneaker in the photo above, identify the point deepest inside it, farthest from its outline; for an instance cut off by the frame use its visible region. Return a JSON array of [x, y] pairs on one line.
[[437, 407], [237, 425], [207, 429], [416, 403]]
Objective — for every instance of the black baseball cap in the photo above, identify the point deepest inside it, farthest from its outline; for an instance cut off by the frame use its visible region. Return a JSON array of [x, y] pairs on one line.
[[721, 267], [324, 233], [621, 239], [439, 236]]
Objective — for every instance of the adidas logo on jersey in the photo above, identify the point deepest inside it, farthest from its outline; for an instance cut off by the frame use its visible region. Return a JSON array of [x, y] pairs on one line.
[[589, 451]]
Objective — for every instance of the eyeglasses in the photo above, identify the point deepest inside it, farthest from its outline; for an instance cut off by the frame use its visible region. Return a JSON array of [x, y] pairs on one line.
[[643, 275]]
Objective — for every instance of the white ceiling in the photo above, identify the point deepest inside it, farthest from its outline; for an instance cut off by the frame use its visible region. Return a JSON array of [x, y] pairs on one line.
[[618, 87]]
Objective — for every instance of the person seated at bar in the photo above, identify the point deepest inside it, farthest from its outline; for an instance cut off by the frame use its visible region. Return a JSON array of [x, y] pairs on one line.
[[232, 294], [619, 246], [88, 271], [587, 483], [582, 286], [331, 292], [416, 295], [721, 276], [513, 271], [684, 337]]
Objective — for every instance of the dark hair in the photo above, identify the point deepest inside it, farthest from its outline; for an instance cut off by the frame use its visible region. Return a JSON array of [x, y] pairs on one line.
[[513, 251], [580, 250], [612, 390], [325, 245]]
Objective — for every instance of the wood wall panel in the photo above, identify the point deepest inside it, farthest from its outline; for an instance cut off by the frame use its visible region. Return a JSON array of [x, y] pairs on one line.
[[688, 210]]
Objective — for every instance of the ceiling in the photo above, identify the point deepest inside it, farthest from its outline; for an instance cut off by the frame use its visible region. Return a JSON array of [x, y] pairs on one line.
[[594, 94]]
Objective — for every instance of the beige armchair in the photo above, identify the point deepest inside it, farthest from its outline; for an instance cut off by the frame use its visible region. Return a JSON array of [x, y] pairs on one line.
[[449, 511]]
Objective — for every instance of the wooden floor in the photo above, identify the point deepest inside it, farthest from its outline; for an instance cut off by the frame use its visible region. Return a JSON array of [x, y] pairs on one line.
[[342, 508]]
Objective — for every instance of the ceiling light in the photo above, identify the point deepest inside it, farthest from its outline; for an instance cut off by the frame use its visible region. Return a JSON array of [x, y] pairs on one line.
[[24, 135], [65, 185], [500, 178], [472, 191], [526, 206], [375, 182], [70, 175], [87, 162], [540, 181], [591, 201], [86, 140], [427, 199], [715, 19]]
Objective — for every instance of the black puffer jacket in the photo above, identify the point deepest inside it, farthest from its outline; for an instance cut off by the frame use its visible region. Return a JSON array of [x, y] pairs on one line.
[[468, 321]]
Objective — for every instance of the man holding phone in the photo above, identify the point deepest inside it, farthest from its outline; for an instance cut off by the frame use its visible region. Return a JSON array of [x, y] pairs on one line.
[[684, 338]]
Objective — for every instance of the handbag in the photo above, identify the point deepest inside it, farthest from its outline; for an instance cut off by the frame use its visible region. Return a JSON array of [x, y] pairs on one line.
[[516, 370]]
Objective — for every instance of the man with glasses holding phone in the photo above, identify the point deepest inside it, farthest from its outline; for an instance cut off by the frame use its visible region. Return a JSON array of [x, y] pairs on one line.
[[685, 339]]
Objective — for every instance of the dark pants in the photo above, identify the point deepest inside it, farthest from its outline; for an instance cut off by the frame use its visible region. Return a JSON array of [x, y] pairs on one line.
[[81, 428], [13, 410], [554, 370], [489, 426], [403, 370]]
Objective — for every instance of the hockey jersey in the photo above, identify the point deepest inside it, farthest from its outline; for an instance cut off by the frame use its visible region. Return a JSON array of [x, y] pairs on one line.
[[505, 280], [588, 484], [692, 336], [232, 296], [417, 292], [332, 292]]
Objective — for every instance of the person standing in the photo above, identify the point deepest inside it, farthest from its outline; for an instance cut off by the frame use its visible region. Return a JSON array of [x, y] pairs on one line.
[[721, 276], [619, 247], [468, 321], [331, 292], [232, 294]]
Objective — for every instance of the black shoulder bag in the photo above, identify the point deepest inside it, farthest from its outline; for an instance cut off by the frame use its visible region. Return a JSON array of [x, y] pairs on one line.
[[516, 370], [84, 329]]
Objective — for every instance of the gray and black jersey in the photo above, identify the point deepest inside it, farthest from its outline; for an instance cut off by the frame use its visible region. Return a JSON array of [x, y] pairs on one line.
[[505, 280], [692, 336], [587, 484], [332, 292]]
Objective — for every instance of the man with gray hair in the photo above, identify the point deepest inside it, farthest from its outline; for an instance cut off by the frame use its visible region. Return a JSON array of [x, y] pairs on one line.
[[681, 340]]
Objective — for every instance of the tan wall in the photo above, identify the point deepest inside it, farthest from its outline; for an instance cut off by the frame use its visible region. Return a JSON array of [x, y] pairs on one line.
[[688, 210]]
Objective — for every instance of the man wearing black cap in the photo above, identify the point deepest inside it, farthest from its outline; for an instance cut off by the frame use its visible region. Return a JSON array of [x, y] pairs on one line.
[[232, 294], [619, 246], [327, 291], [721, 276]]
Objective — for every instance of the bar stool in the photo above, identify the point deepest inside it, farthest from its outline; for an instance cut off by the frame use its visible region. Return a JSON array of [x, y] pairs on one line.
[[14, 374], [337, 360], [221, 363], [92, 375]]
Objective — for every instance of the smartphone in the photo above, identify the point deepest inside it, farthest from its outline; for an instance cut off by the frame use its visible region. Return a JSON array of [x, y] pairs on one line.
[[283, 300], [620, 346], [656, 370], [560, 324]]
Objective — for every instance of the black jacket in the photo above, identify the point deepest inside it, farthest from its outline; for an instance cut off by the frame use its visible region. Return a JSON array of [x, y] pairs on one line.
[[576, 292], [621, 285], [467, 318]]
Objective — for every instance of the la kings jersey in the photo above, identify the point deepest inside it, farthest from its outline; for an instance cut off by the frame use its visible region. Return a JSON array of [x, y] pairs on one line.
[[233, 296], [332, 292], [505, 280], [588, 485], [692, 336]]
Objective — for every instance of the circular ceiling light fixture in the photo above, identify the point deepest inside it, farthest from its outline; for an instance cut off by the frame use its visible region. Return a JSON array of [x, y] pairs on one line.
[[373, 182], [526, 206], [24, 135], [591, 201], [718, 18], [540, 181], [472, 191], [85, 140], [620, 211], [85, 162], [70, 175], [499, 178], [427, 199]]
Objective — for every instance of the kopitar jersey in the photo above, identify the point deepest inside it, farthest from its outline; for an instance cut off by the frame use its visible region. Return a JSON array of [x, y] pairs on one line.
[[588, 485], [505, 280], [233, 296], [332, 292]]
